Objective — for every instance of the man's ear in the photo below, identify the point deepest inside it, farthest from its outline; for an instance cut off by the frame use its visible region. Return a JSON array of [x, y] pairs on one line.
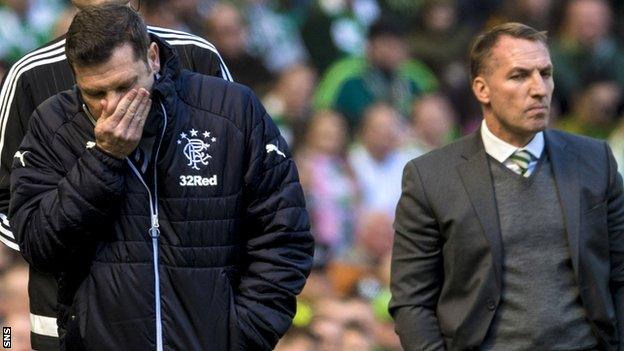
[[153, 58], [481, 89]]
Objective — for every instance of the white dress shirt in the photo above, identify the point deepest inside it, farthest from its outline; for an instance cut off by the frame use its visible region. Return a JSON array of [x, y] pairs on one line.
[[501, 150]]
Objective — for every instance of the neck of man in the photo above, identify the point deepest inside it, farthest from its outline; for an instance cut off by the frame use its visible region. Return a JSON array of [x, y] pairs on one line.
[[505, 134]]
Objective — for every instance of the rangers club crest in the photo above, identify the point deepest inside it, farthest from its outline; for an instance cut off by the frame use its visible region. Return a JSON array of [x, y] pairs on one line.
[[196, 147]]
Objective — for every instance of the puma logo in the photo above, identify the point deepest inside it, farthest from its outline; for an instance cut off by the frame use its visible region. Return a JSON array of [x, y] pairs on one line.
[[21, 155], [273, 148]]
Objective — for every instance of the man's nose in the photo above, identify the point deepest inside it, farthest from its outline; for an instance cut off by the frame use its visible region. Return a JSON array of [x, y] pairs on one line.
[[539, 85], [113, 97]]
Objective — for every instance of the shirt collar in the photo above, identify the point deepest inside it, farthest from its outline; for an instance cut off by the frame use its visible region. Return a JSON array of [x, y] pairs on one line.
[[501, 150]]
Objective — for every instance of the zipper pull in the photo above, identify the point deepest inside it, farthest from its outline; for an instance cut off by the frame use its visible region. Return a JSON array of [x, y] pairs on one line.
[[154, 231]]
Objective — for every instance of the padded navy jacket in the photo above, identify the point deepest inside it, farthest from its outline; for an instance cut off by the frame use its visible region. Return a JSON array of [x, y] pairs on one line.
[[205, 249]]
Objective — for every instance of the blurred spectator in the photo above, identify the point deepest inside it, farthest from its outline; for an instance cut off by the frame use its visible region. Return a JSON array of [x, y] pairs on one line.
[[340, 323], [274, 36], [386, 74], [535, 13], [365, 294], [226, 29], [64, 20], [378, 161], [189, 12], [329, 185], [298, 339], [296, 10], [330, 331], [407, 12], [25, 25], [345, 277], [594, 110], [434, 124], [440, 23], [328, 323], [373, 241], [289, 101], [476, 12], [162, 13], [14, 291], [356, 337], [585, 50], [337, 28]]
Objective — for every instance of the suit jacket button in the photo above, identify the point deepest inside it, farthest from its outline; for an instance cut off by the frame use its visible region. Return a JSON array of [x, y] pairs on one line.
[[491, 305]]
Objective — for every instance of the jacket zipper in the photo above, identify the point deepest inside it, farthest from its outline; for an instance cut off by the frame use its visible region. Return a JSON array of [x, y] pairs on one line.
[[154, 230]]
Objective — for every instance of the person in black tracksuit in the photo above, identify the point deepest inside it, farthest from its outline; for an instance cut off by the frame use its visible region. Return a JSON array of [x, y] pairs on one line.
[[193, 236], [28, 83]]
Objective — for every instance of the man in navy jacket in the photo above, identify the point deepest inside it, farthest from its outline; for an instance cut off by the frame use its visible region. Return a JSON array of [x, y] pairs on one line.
[[30, 81], [166, 200]]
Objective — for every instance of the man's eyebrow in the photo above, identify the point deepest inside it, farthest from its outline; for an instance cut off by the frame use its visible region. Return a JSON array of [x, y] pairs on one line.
[[528, 69]]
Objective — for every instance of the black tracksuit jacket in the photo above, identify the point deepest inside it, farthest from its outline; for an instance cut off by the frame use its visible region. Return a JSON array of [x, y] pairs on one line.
[[205, 250]]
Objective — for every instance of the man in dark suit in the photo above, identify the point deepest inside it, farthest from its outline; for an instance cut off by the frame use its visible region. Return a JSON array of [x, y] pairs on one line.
[[511, 238]]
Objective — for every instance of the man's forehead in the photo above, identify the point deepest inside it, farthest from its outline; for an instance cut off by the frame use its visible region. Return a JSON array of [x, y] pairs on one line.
[[121, 66], [510, 52]]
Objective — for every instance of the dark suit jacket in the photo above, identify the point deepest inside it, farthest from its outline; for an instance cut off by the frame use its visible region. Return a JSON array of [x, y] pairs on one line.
[[446, 263]]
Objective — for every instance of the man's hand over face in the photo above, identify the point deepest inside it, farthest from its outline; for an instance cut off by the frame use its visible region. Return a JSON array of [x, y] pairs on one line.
[[119, 128]]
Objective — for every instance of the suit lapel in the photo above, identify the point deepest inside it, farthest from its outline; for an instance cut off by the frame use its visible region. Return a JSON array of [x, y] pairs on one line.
[[477, 181], [565, 171]]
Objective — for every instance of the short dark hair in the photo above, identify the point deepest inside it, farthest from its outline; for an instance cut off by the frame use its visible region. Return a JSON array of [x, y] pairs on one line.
[[97, 30], [483, 44]]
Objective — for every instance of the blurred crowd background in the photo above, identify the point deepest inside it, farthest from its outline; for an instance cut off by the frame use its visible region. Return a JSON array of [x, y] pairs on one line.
[[358, 88]]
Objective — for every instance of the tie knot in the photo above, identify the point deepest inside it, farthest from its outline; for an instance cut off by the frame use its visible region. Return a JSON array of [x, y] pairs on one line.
[[521, 158]]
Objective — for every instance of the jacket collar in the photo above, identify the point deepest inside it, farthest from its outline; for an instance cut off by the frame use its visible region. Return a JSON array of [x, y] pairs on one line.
[[565, 170], [477, 179], [167, 83], [165, 88]]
